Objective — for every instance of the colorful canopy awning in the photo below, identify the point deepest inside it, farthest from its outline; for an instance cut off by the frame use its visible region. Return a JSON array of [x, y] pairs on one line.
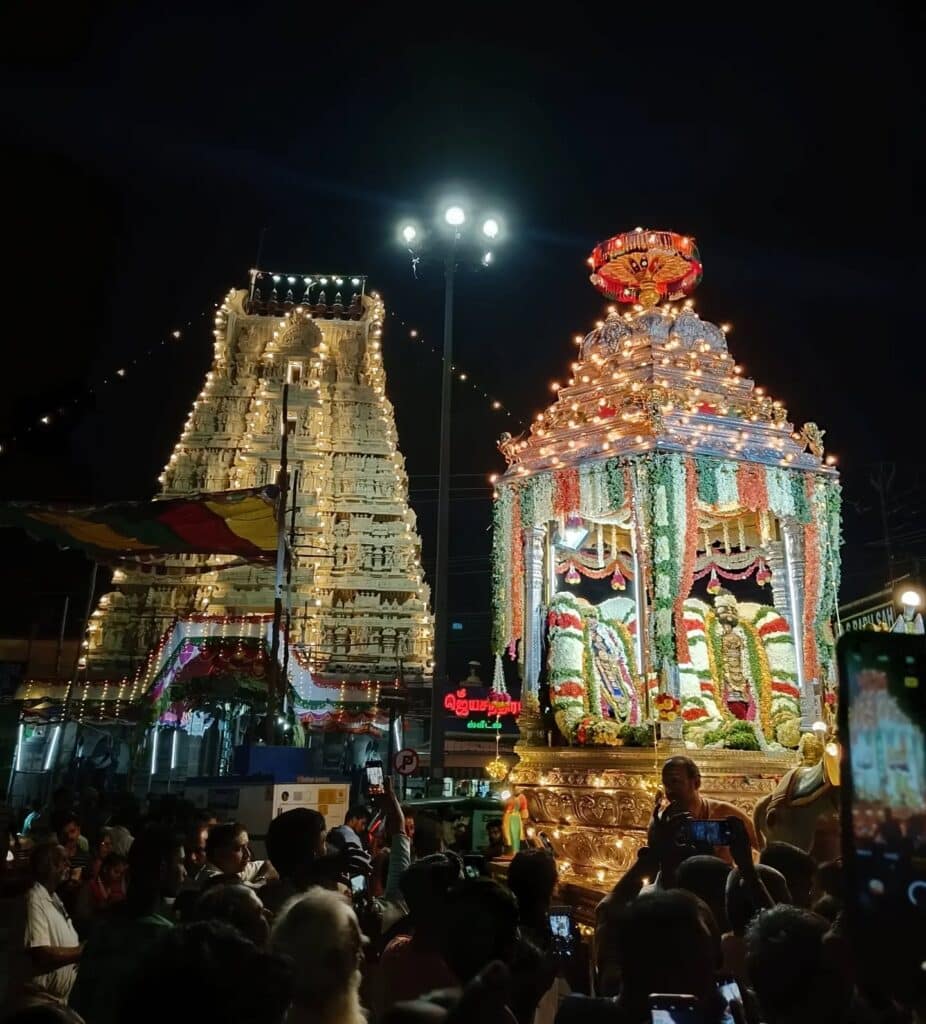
[[242, 523]]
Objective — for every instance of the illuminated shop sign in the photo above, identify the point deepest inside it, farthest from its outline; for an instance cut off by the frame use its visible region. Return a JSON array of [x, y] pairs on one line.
[[463, 705]]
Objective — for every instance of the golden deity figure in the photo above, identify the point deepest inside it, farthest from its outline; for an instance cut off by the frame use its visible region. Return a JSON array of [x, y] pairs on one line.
[[738, 686]]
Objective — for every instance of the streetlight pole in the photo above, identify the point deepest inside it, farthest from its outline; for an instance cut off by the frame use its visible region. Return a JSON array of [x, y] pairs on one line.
[[441, 575], [455, 217]]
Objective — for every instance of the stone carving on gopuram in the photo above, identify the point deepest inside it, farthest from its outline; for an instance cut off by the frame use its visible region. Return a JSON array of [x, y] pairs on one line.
[[358, 604], [666, 561]]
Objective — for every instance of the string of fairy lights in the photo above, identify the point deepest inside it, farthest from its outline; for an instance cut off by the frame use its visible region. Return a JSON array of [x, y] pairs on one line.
[[52, 417], [461, 375]]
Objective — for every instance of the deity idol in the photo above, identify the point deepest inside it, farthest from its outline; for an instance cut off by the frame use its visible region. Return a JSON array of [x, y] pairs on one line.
[[610, 662], [735, 671]]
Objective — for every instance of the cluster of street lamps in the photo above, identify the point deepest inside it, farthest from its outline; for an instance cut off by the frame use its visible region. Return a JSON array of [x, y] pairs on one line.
[[452, 246]]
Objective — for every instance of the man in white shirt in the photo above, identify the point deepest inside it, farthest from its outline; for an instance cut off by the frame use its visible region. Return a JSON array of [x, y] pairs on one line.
[[50, 942]]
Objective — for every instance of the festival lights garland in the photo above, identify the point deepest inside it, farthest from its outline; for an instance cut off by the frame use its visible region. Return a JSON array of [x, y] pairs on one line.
[[463, 376], [112, 377]]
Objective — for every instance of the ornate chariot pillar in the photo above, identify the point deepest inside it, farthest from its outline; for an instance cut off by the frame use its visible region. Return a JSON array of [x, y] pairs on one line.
[[789, 577]]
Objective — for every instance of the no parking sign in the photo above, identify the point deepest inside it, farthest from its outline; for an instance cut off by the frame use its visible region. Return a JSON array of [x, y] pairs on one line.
[[405, 762]]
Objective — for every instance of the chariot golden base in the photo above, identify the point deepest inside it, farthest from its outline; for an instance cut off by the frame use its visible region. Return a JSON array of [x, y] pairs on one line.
[[593, 806]]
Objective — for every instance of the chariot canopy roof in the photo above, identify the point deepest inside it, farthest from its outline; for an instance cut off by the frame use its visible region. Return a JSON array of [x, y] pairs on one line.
[[656, 376]]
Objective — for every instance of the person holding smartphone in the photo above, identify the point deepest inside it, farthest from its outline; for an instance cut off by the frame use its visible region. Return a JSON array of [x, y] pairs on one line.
[[681, 782], [348, 840]]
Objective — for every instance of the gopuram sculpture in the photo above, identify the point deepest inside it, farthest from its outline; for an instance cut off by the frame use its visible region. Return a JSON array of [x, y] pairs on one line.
[[358, 604], [665, 568]]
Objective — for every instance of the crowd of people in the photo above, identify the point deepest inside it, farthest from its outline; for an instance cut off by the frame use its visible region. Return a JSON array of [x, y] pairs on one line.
[[171, 917]]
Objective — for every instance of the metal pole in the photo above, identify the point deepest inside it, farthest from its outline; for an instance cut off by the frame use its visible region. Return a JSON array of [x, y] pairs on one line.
[[64, 620], [273, 675], [441, 579], [289, 586], [72, 682]]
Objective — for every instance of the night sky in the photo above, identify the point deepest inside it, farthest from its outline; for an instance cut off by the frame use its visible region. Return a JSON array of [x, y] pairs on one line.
[[145, 154]]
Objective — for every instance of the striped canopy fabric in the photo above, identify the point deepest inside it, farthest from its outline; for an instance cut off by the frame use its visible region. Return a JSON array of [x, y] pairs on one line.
[[242, 523]]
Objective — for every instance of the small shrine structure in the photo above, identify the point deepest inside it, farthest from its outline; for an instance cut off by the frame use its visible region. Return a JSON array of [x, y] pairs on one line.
[[666, 564]]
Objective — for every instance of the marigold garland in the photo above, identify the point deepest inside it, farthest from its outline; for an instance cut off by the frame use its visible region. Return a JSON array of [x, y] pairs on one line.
[[750, 482], [566, 496]]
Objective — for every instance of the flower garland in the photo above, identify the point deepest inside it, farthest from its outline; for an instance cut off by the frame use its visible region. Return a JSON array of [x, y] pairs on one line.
[[689, 556], [665, 574], [566, 497], [593, 489], [801, 484], [501, 548], [780, 495], [812, 591], [526, 496], [614, 477], [707, 479], [516, 574], [832, 565], [713, 567], [727, 489], [750, 484], [593, 573], [565, 662]]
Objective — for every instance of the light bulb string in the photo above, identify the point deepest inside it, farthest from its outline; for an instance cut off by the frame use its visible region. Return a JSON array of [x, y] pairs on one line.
[[460, 375], [120, 373]]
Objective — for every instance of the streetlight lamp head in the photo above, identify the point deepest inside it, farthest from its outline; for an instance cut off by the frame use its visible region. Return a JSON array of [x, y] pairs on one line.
[[911, 599], [454, 216], [409, 233], [487, 259], [490, 228]]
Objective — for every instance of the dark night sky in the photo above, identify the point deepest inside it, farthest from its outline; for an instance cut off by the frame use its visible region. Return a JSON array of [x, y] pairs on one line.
[[144, 152]]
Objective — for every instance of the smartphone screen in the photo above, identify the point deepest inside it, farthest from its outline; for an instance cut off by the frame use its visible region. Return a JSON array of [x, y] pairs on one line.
[[674, 1009], [730, 992], [708, 833], [882, 719], [563, 930], [473, 865], [358, 884], [375, 777]]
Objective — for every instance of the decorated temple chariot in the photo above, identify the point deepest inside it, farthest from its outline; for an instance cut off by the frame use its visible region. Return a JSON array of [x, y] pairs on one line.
[[666, 558]]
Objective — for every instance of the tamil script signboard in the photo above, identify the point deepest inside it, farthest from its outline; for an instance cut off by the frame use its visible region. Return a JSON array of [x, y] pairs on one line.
[[468, 709]]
